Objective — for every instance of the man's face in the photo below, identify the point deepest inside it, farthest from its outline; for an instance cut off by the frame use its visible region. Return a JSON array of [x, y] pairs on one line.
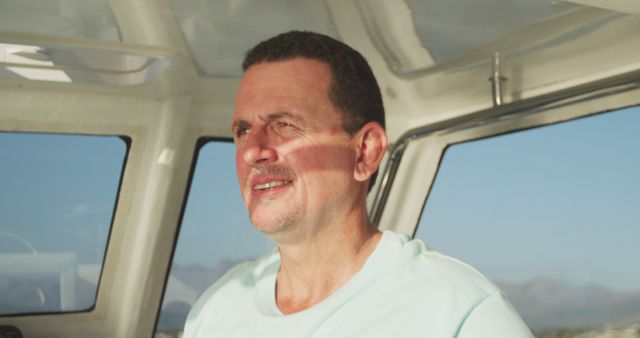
[[294, 160]]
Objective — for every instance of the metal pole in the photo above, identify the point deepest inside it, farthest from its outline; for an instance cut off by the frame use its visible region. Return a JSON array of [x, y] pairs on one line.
[[630, 78], [496, 80]]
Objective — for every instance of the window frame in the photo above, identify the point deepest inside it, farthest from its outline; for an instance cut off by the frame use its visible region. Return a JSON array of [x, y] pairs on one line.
[[128, 145], [414, 160], [92, 113], [552, 118], [202, 141]]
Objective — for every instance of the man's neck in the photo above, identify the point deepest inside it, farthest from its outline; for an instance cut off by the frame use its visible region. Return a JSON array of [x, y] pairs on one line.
[[314, 269]]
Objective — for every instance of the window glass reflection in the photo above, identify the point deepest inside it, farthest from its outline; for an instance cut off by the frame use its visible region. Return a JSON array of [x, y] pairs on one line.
[[56, 205]]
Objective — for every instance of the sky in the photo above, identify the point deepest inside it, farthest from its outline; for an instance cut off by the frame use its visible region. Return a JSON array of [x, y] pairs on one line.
[[58, 192], [560, 202]]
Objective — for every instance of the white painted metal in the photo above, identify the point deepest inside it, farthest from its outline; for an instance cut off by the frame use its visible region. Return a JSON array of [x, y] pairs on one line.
[[622, 6]]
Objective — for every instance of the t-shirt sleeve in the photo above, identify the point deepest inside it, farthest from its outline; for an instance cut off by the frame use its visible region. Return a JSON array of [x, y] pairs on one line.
[[494, 317]]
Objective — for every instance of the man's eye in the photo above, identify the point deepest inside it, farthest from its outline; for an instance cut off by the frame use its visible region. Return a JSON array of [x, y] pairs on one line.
[[283, 124], [241, 131]]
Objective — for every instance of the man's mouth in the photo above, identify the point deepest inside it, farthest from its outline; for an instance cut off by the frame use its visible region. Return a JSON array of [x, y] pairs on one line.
[[270, 185]]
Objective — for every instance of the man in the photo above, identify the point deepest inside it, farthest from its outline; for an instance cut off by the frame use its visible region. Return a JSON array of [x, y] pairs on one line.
[[309, 134]]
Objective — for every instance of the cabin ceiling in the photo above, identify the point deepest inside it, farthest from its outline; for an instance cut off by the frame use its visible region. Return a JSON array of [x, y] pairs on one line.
[[433, 58]]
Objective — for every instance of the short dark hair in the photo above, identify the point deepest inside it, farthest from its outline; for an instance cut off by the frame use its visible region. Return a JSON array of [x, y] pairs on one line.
[[353, 90]]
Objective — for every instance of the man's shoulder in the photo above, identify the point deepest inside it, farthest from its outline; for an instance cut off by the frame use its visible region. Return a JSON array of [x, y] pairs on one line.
[[437, 271], [236, 282], [247, 273]]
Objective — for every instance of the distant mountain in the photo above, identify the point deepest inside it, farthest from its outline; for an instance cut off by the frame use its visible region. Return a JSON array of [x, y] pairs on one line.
[[545, 304]]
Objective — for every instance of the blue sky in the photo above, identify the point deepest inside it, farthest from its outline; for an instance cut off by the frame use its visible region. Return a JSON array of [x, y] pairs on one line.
[[58, 192], [561, 202]]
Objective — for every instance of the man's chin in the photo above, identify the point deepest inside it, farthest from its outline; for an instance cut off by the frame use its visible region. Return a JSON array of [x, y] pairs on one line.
[[273, 225], [269, 228]]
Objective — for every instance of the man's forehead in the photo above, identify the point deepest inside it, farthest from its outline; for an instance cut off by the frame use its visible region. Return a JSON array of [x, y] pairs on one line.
[[276, 89]]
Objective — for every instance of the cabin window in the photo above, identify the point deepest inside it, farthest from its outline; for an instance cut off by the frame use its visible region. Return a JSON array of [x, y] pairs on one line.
[[552, 216], [57, 199], [215, 235], [76, 19], [207, 25]]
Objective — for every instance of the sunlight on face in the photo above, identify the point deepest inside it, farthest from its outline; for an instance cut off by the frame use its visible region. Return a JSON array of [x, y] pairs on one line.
[[294, 160]]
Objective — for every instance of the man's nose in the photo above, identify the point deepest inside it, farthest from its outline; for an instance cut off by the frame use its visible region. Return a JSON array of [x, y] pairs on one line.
[[258, 148]]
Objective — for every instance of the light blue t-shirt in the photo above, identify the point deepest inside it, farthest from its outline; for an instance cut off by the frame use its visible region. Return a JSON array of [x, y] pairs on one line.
[[403, 290]]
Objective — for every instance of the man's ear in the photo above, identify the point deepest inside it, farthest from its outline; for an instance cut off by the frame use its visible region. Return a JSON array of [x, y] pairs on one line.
[[371, 145]]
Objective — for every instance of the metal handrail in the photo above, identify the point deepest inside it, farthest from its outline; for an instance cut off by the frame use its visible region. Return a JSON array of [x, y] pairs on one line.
[[512, 108]]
